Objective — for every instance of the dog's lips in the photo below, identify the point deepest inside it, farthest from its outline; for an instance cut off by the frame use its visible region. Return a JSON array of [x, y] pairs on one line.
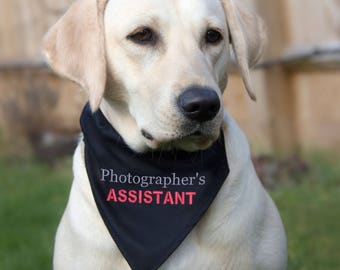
[[195, 140], [147, 135], [194, 134]]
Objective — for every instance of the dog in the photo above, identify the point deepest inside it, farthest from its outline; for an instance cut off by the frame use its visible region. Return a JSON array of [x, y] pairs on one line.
[[157, 70]]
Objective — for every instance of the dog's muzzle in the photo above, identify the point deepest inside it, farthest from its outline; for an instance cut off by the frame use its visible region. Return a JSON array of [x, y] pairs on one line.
[[199, 104]]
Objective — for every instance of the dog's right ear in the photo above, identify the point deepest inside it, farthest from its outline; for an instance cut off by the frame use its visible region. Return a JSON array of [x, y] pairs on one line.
[[74, 47]]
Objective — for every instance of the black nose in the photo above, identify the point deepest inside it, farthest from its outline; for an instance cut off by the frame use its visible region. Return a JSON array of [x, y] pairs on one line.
[[199, 103]]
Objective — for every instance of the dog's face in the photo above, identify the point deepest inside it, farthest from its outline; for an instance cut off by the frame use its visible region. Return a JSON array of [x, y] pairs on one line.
[[165, 61], [170, 64]]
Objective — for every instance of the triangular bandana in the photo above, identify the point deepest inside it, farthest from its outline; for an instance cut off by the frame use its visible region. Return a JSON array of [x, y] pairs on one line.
[[149, 202]]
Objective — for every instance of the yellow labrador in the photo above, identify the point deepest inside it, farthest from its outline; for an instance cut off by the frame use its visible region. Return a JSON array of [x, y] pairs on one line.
[[142, 63]]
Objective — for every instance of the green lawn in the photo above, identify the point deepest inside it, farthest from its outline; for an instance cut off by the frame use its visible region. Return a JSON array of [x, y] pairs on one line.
[[311, 214], [33, 195], [32, 198]]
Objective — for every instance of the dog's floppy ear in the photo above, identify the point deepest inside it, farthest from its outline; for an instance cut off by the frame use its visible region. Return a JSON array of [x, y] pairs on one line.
[[248, 38], [74, 47]]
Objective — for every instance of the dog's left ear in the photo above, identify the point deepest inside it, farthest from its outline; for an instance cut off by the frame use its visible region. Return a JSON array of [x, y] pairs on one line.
[[248, 38], [74, 47]]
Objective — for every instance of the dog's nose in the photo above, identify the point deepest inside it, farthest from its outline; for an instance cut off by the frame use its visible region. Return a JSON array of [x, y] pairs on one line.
[[199, 103]]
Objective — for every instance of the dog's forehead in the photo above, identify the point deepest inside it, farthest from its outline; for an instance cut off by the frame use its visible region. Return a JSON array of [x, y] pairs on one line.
[[135, 12]]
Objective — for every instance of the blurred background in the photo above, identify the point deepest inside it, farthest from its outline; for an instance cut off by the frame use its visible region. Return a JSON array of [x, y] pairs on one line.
[[293, 129]]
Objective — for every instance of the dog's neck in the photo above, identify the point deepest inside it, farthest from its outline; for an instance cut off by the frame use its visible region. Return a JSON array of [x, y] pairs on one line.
[[121, 120]]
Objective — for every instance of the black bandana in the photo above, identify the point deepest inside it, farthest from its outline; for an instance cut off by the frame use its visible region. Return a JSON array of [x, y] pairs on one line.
[[149, 202]]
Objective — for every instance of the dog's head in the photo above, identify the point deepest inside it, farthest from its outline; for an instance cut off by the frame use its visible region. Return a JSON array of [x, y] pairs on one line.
[[162, 63]]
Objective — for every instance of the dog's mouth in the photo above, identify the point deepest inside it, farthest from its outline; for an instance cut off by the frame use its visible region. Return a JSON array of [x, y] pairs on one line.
[[193, 141], [147, 135], [150, 137]]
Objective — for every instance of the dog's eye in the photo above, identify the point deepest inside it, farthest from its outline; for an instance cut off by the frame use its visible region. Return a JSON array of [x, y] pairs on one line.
[[143, 36], [213, 37]]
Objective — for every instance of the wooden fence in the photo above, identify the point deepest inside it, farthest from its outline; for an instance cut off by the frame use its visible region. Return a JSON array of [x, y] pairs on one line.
[[297, 82]]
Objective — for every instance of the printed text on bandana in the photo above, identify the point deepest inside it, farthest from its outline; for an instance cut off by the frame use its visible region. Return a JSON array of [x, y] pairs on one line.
[[151, 189]]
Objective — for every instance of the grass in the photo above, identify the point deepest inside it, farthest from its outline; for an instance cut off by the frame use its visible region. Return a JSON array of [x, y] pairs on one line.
[[33, 196], [311, 213]]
